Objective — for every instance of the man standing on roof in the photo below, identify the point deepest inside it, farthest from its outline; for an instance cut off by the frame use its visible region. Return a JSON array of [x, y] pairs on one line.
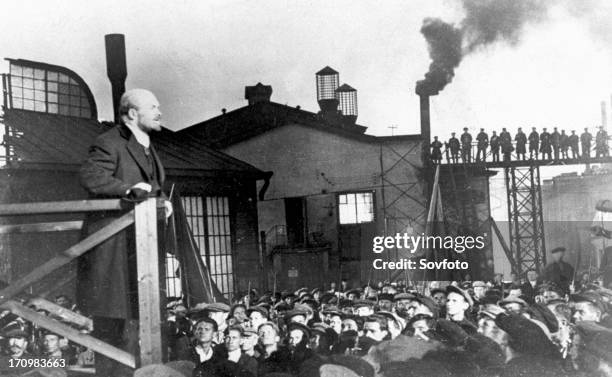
[[122, 163]]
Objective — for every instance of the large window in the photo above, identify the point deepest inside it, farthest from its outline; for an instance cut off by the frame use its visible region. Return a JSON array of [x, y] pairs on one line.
[[356, 208], [209, 220], [48, 91]]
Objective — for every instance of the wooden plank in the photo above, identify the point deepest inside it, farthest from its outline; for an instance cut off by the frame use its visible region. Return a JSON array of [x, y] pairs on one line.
[[147, 262], [504, 245], [66, 315], [16, 209], [57, 226], [70, 333], [66, 256]]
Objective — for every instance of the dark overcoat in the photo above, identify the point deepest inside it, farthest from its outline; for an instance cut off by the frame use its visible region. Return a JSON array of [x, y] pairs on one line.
[[106, 274]]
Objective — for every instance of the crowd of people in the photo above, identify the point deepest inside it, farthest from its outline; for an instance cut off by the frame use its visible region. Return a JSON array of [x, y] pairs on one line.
[[544, 146], [543, 324]]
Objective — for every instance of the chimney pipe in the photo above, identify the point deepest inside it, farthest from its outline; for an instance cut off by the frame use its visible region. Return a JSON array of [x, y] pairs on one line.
[[116, 68], [425, 128]]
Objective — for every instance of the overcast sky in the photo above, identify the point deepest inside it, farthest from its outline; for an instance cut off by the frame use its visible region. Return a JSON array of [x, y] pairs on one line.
[[197, 56]]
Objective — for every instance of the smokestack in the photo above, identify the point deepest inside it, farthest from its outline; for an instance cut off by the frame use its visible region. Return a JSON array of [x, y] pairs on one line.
[[604, 115], [116, 68], [425, 127]]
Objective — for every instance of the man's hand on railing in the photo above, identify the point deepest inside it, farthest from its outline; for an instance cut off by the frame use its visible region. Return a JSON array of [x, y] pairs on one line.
[[139, 192]]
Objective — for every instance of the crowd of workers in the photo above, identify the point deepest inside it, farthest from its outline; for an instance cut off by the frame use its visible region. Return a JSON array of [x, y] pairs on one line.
[[541, 325], [541, 146]]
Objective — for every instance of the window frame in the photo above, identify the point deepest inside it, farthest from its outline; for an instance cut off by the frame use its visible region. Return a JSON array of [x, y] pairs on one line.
[[355, 192]]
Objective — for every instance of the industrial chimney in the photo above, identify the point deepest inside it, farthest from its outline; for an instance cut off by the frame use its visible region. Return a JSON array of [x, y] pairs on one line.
[[116, 68], [347, 98], [327, 82]]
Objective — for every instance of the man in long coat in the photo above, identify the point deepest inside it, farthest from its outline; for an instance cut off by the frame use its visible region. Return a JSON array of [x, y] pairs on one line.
[[122, 163]]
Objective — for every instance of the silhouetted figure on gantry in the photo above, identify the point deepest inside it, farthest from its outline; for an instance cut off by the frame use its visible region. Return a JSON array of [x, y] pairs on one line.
[[436, 151], [454, 146], [466, 146], [601, 143], [483, 142], [555, 141], [505, 139], [545, 146], [585, 140], [495, 144], [564, 144], [573, 142], [534, 142], [521, 142]]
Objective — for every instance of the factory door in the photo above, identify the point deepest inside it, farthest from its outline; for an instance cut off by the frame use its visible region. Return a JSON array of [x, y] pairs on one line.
[[356, 228]]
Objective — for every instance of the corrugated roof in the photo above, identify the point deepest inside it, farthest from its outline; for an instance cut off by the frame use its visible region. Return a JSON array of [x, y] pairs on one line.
[[249, 121], [42, 138]]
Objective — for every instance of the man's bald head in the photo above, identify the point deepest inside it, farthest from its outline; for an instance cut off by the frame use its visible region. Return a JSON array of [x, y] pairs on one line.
[[140, 107]]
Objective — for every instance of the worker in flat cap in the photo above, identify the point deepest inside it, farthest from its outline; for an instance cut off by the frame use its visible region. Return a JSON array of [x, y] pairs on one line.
[[219, 313], [14, 346], [514, 304], [422, 305], [250, 340], [257, 314], [458, 302], [363, 308], [589, 306], [385, 302], [466, 146], [402, 300], [559, 271]]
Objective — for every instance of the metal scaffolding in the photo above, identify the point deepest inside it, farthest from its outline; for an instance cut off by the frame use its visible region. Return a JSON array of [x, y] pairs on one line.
[[525, 219]]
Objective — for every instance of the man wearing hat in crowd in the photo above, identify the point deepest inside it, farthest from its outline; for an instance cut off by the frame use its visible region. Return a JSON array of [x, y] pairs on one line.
[[513, 304], [422, 305], [363, 308], [385, 302], [466, 146], [402, 300], [51, 349], [322, 338], [272, 358], [14, 347], [529, 287], [298, 337], [250, 340], [257, 315], [202, 351], [439, 297], [219, 312], [458, 302], [558, 271], [299, 315], [589, 306]]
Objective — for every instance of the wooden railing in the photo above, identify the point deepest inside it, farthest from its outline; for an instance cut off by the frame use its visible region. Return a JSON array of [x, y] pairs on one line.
[[144, 217]]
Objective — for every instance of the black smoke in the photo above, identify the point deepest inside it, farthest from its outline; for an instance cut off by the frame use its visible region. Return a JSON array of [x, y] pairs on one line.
[[485, 22]]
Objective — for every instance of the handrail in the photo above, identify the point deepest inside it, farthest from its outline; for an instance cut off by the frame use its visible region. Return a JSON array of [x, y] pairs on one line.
[[34, 208]]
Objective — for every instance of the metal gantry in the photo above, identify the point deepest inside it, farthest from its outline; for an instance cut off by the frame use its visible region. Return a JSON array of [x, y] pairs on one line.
[[525, 219]]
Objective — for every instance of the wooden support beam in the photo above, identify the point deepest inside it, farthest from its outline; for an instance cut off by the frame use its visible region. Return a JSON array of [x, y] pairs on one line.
[[67, 255], [57, 226], [70, 333], [503, 244], [149, 298], [17, 209], [66, 315]]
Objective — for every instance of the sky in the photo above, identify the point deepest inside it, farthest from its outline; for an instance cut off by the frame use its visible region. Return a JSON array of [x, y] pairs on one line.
[[197, 56]]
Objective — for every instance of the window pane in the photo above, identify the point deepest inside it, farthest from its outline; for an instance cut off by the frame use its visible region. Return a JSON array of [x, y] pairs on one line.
[[16, 70], [28, 83], [28, 94], [39, 95], [63, 78], [40, 106], [39, 73], [64, 88], [17, 92], [74, 90], [28, 104], [39, 85], [52, 97], [52, 86], [28, 72], [53, 108], [63, 110], [16, 81], [52, 76], [17, 103], [74, 111], [355, 208]]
